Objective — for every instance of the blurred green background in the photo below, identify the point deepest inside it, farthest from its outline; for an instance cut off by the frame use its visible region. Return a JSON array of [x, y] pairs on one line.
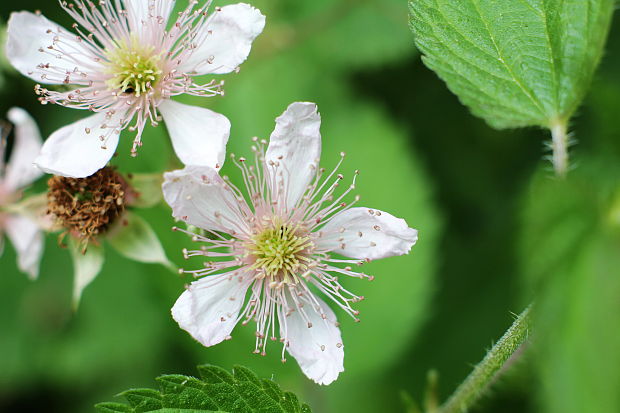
[[496, 230]]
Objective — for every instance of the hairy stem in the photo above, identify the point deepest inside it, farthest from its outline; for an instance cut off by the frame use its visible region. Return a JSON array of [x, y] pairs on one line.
[[489, 369], [560, 148]]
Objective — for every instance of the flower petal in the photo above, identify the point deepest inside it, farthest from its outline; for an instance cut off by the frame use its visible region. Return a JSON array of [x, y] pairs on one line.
[[318, 349], [27, 239], [200, 197], [146, 16], [199, 135], [367, 234], [30, 37], [21, 171], [295, 146], [208, 309], [77, 150], [225, 40]]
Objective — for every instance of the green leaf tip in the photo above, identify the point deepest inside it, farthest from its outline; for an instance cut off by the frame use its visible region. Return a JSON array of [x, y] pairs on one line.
[[216, 390], [514, 63]]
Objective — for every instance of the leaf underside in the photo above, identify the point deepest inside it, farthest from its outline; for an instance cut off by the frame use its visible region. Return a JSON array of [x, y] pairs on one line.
[[514, 63], [216, 391]]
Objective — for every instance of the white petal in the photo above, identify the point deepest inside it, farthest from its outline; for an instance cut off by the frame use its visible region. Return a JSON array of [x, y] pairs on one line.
[[27, 239], [208, 310], [225, 40], [366, 233], [317, 349], [77, 150], [21, 171], [199, 135], [146, 16], [200, 197], [295, 145], [30, 35]]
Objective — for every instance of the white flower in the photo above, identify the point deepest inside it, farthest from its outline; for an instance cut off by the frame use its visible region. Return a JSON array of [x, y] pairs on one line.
[[126, 61], [21, 224], [276, 242]]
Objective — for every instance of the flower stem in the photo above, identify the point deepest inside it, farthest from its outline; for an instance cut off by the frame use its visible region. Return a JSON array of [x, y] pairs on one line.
[[488, 370], [560, 148]]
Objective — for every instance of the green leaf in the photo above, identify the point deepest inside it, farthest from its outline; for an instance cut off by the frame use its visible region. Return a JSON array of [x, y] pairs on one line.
[[135, 239], [86, 266], [148, 187], [571, 261], [515, 62], [216, 391]]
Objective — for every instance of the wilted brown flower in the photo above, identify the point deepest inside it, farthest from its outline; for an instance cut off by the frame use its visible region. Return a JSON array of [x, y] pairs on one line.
[[87, 207]]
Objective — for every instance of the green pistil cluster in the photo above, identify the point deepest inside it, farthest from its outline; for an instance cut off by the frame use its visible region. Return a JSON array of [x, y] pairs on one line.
[[281, 252], [135, 69]]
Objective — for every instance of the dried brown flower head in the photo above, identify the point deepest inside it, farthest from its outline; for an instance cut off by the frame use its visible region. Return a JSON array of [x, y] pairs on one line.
[[87, 207]]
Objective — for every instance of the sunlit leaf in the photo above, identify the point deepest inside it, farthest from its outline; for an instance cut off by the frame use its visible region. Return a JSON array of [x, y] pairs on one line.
[[515, 62]]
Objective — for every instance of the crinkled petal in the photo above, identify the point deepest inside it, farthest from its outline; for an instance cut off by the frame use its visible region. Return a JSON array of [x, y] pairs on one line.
[[78, 150], [198, 135], [225, 40], [318, 349], [27, 48], [295, 147], [21, 170], [148, 17], [209, 308], [200, 197], [27, 239], [367, 234]]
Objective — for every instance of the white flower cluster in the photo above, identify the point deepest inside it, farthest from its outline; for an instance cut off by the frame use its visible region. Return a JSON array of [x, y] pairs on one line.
[[274, 247]]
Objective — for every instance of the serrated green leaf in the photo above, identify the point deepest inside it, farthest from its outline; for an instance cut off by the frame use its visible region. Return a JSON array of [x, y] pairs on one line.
[[218, 391], [143, 399], [122, 408], [214, 374], [272, 390], [110, 407], [244, 374], [514, 62]]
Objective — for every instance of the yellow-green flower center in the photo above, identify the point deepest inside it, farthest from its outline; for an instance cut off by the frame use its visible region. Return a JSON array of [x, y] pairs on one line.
[[134, 67], [282, 252]]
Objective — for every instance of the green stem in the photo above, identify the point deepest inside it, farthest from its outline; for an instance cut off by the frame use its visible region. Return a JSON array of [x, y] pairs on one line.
[[560, 148], [489, 369]]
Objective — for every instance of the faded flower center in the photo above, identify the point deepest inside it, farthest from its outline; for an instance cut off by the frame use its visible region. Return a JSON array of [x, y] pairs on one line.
[[134, 68], [86, 207], [282, 252]]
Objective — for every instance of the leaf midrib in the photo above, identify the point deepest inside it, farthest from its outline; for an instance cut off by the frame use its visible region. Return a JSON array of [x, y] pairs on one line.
[[536, 102]]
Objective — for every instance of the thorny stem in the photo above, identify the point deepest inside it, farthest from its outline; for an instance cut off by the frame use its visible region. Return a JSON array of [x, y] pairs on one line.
[[489, 369], [560, 148]]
